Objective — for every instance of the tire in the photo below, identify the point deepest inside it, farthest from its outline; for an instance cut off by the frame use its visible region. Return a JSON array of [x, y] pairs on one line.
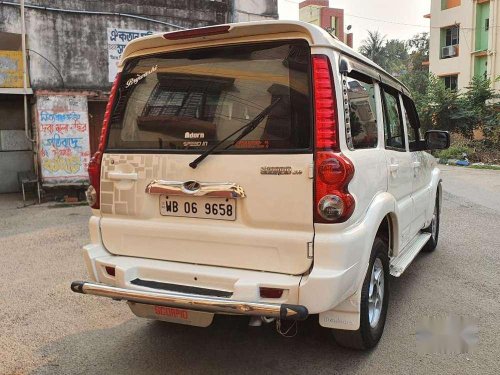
[[433, 229], [372, 320]]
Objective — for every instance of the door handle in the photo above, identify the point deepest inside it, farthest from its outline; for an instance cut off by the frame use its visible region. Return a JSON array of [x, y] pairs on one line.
[[195, 188], [393, 167], [416, 164], [122, 176]]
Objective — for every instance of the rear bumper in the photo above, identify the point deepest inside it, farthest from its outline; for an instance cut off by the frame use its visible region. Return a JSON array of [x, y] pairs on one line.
[[333, 279], [193, 302]]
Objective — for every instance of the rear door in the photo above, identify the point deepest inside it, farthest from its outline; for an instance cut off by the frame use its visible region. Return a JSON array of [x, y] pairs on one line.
[[398, 162], [421, 168], [247, 205]]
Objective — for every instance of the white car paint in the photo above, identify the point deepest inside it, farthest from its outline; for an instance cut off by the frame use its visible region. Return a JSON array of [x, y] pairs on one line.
[[268, 244]]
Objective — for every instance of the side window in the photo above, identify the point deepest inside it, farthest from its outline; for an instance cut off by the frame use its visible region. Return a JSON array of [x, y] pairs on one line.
[[412, 121], [363, 111], [393, 126]]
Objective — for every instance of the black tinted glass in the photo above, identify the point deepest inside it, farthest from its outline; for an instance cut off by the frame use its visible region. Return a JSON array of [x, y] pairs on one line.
[[191, 100]]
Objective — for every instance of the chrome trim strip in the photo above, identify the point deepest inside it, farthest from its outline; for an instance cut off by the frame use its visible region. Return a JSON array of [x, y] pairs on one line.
[[193, 302], [195, 188]]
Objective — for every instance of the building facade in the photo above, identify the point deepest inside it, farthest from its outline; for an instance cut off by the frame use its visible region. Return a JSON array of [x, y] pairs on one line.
[[320, 14], [72, 48], [464, 41]]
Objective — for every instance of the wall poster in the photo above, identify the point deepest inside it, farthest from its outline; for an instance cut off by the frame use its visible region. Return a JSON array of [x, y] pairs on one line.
[[117, 40], [63, 138]]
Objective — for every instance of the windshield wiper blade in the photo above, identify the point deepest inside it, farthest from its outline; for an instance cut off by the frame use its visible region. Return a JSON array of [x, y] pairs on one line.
[[245, 129]]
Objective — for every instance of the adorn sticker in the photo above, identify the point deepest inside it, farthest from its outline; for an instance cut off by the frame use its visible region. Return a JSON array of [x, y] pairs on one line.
[[192, 135]]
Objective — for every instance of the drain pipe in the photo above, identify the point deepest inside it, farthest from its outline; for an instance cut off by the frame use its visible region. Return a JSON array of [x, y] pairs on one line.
[[25, 97], [25, 74]]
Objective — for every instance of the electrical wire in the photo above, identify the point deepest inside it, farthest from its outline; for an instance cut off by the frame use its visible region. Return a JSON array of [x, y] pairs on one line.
[[73, 11], [395, 22], [50, 62]]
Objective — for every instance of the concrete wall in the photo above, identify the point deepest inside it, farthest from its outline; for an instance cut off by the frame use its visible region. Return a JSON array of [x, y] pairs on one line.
[[15, 149], [461, 64], [76, 43], [254, 10]]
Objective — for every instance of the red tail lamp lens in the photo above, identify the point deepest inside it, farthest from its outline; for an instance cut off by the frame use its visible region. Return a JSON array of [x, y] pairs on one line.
[[332, 201], [271, 292], [325, 115], [110, 271], [94, 168], [332, 171]]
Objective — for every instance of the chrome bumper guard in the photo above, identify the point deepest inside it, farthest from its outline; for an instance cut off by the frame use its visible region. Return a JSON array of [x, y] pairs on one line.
[[193, 302]]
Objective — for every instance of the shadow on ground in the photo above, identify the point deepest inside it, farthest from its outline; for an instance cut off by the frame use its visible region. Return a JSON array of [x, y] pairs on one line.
[[228, 346]]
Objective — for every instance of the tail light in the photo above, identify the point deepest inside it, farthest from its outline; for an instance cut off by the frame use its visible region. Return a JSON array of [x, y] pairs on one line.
[[333, 170], [271, 292], [93, 192]]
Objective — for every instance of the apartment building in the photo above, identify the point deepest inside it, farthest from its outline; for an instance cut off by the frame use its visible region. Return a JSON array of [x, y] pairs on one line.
[[318, 12], [464, 41]]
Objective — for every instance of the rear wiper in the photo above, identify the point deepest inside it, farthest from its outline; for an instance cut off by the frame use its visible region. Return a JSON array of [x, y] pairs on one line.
[[245, 130]]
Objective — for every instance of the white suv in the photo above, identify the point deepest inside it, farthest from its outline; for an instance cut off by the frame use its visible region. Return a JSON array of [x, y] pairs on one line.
[[261, 169]]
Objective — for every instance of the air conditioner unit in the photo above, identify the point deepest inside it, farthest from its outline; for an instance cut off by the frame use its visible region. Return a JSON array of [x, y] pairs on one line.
[[449, 51]]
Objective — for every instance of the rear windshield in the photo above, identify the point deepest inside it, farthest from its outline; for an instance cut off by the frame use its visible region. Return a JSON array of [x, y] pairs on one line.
[[189, 101]]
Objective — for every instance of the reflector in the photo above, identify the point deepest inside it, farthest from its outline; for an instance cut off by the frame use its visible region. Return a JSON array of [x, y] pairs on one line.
[[271, 292], [110, 270]]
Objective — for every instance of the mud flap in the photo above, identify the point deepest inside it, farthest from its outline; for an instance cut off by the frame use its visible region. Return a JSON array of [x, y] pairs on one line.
[[346, 315]]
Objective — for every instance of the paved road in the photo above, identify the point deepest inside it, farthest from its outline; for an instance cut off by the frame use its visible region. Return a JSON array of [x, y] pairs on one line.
[[46, 329]]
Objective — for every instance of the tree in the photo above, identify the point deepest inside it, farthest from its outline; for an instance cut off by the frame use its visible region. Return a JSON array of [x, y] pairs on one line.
[[437, 106], [477, 108], [395, 57], [373, 47], [417, 76]]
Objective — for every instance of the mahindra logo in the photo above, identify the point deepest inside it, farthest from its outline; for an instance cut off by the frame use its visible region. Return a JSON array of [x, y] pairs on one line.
[[191, 186], [191, 135]]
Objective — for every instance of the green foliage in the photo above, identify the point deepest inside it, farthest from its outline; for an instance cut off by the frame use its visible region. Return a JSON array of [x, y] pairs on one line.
[[417, 75], [486, 166], [373, 47], [478, 106], [437, 105], [454, 152], [395, 57], [475, 107]]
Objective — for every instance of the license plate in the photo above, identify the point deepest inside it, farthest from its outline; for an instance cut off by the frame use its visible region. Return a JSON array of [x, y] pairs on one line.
[[172, 314], [199, 207]]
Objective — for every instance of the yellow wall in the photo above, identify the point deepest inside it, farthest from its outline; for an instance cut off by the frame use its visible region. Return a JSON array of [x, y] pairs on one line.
[[11, 69]]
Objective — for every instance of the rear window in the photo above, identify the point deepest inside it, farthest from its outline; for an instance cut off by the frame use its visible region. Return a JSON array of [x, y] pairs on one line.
[[188, 101]]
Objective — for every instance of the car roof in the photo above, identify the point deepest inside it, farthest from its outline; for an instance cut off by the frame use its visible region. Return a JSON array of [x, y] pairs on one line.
[[316, 35]]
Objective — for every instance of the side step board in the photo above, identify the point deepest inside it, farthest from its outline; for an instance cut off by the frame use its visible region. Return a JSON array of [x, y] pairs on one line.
[[399, 264]]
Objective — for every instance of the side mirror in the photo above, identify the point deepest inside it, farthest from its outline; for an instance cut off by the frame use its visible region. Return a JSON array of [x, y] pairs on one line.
[[437, 139]]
